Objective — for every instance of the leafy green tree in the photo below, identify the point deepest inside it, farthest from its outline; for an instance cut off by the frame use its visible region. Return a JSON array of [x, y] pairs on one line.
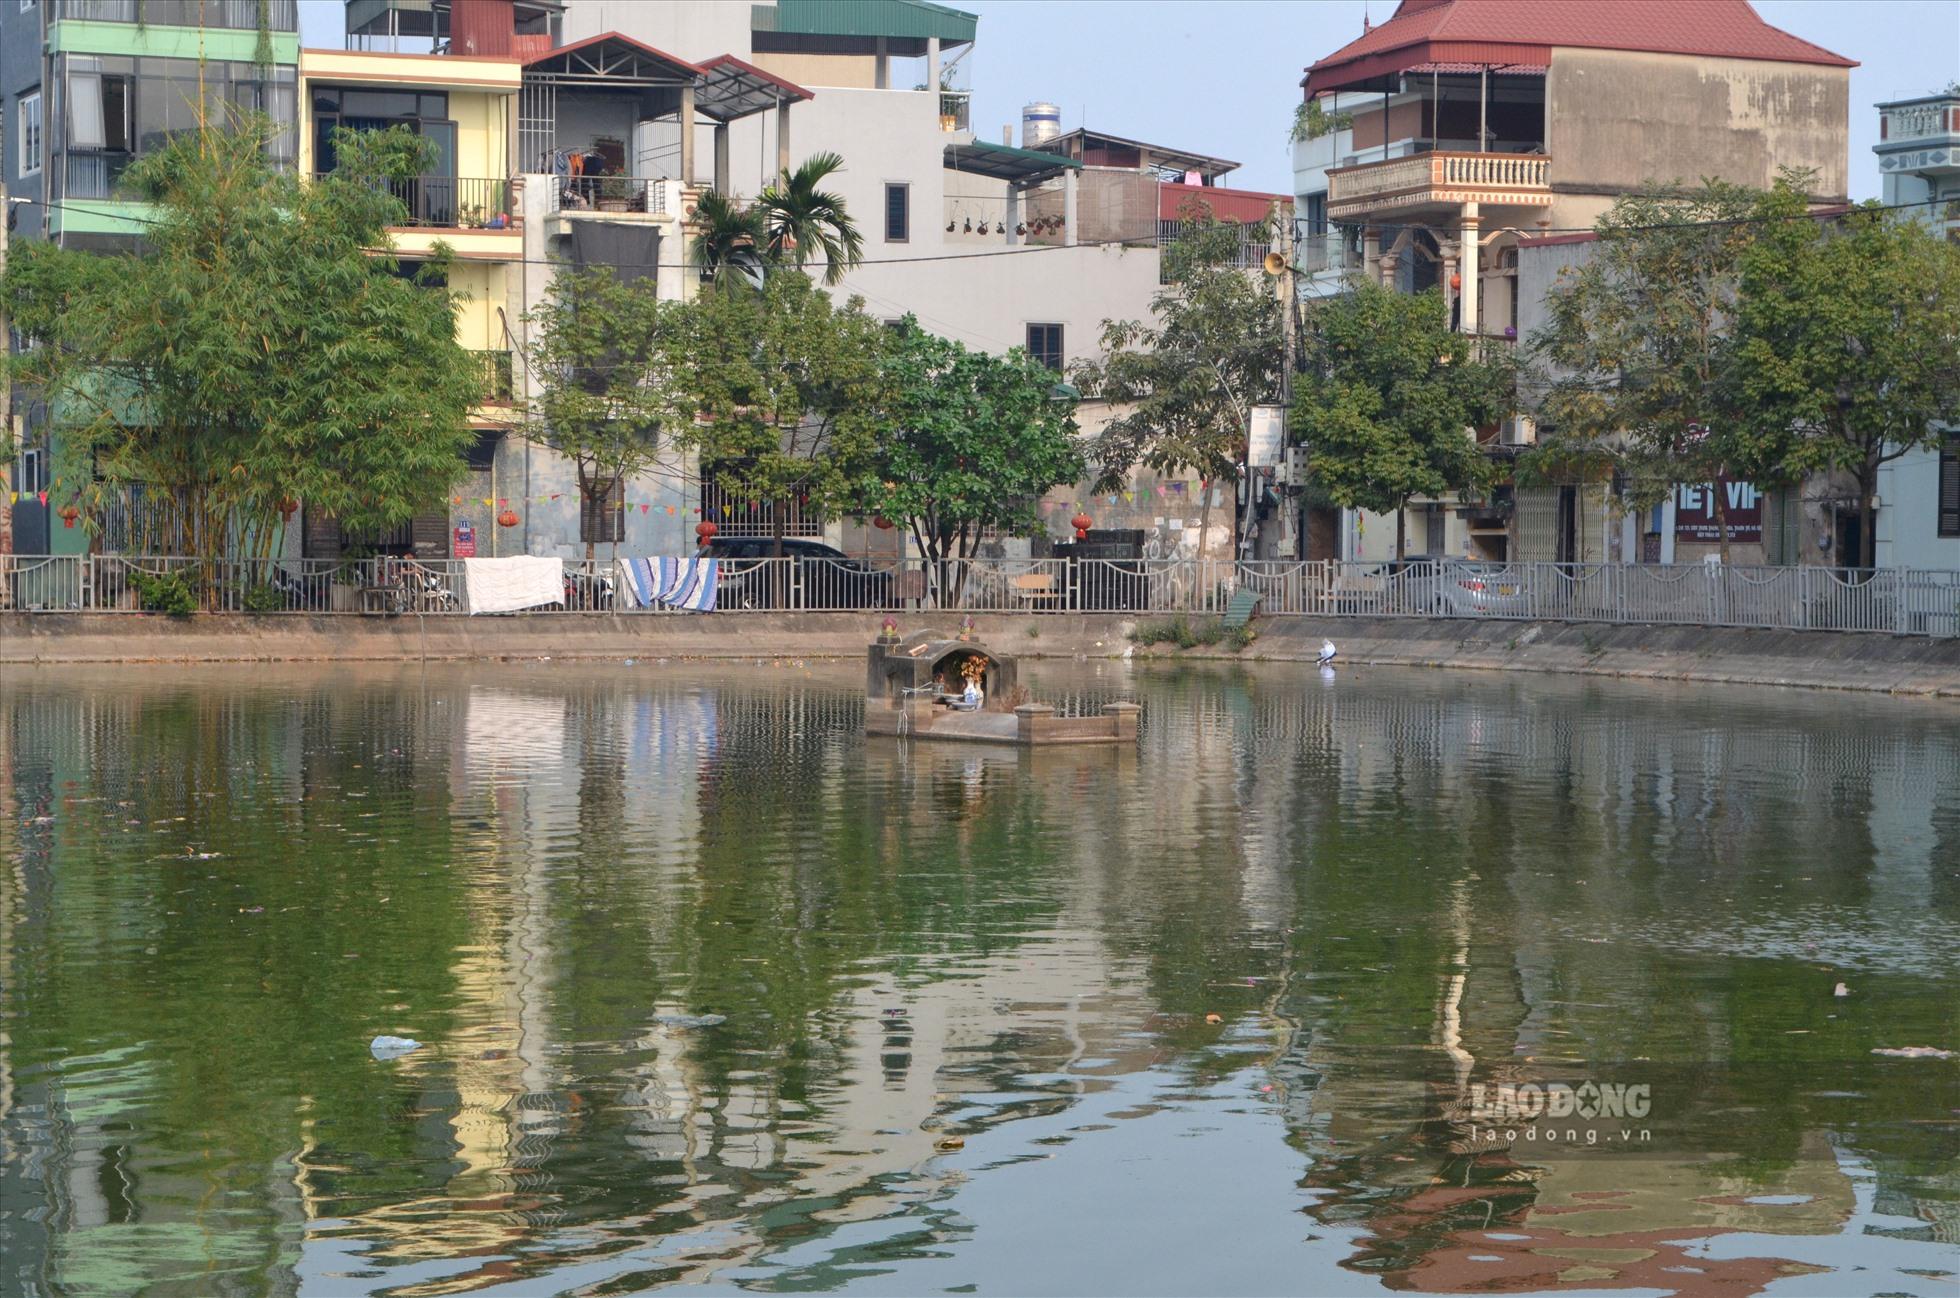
[[258, 349], [786, 389], [1632, 365], [1190, 377], [804, 222], [605, 360], [1847, 341], [1388, 397], [731, 238], [967, 440]]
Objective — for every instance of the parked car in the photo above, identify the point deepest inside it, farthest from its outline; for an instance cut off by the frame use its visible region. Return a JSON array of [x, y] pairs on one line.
[[815, 576], [1488, 590]]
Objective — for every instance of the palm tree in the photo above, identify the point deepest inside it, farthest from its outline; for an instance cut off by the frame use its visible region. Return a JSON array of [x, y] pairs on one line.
[[804, 222], [730, 237]]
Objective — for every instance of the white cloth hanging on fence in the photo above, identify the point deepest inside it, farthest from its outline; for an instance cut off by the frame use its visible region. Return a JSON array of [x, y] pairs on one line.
[[507, 585]]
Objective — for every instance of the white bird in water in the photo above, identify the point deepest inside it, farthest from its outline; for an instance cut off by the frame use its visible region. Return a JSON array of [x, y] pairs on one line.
[[1326, 653]]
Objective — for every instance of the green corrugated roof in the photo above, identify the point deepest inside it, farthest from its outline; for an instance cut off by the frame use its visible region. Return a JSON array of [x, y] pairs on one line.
[[1005, 162], [915, 19]]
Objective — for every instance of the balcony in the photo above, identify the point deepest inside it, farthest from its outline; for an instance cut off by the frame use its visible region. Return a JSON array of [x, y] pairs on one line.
[[955, 110], [645, 195], [453, 203], [1920, 136], [1438, 180], [235, 15], [494, 373]]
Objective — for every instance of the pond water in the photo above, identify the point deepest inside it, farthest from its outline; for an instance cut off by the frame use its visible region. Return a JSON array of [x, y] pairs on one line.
[[1385, 981]]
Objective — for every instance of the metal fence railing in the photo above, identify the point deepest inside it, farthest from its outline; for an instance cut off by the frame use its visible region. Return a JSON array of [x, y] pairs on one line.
[[1900, 601]]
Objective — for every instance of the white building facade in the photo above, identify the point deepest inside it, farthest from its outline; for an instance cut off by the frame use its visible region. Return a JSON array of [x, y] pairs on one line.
[[1918, 151]]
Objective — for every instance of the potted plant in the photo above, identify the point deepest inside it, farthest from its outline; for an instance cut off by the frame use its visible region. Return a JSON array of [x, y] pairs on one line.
[[469, 216], [615, 193]]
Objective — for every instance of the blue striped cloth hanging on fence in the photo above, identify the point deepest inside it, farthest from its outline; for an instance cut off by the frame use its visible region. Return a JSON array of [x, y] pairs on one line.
[[679, 583]]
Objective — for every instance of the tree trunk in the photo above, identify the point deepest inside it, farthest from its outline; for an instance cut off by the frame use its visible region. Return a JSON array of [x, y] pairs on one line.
[[779, 575], [1721, 491], [1867, 516], [1401, 529], [1204, 520]]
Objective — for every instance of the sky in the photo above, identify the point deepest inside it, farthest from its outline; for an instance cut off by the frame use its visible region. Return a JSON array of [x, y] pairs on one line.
[[1221, 77]]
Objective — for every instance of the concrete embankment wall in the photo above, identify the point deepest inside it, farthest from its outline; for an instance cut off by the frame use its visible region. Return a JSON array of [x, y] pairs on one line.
[[1833, 660]]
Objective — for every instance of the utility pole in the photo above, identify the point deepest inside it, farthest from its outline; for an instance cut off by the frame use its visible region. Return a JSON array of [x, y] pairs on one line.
[[1295, 496]]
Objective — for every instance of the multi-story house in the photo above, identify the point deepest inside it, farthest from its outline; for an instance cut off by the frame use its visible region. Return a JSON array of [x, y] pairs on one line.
[[1918, 520], [1467, 145], [88, 86], [626, 112]]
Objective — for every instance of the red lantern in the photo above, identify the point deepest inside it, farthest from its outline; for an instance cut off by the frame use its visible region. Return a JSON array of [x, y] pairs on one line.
[[1082, 523], [68, 515], [882, 523], [507, 519], [287, 508], [1456, 281], [705, 531]]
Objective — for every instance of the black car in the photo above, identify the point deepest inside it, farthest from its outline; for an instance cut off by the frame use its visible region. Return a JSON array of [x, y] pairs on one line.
[[812, 576]]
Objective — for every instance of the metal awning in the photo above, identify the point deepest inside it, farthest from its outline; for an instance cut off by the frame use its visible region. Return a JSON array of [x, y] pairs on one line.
[[731, 89], [855, 26], [1081, 140], [612, 59], [1005, 162]]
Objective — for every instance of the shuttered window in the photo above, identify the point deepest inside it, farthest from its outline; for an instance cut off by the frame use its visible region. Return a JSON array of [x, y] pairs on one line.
[[603, 520], [1045, 344], [1950, 488]]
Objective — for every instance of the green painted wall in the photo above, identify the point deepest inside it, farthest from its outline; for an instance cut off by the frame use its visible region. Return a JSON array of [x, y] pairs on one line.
[[75, 37]]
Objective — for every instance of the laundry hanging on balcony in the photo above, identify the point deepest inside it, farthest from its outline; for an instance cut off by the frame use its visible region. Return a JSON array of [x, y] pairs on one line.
[[677, 583]]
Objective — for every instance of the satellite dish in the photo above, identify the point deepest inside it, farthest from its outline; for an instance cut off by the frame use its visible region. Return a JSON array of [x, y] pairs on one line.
[[1275, 264]]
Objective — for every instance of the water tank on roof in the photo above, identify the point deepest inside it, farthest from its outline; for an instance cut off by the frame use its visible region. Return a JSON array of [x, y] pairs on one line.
[[1040, 123]]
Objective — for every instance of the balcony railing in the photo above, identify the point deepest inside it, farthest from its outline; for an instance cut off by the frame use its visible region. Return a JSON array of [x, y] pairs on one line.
[[452, 202], [495, 375], [613, 194], [238, 15], [1328, 251], [1440, 178], [955, 110], [1936, 119]]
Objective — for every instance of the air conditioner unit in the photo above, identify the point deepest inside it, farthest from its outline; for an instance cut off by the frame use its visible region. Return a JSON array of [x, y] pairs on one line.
[[1518, 431]]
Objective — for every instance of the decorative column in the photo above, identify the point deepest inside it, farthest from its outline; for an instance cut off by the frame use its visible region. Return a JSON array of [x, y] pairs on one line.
[[1013, 213], [721, 158], [687, 135], [1069, 224], [932, 66], [1468, 324], [782, 135], [1371, 251]]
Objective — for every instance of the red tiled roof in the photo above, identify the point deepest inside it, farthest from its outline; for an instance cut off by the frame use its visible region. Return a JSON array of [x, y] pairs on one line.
[[1522, 33], [619, 42]]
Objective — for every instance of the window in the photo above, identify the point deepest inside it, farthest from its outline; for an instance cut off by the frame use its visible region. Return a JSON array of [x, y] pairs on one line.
[[898, 213], [30, 133], [603, 520], [1950, 487], [1314, 218], [1045, 344], [98, 112]]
